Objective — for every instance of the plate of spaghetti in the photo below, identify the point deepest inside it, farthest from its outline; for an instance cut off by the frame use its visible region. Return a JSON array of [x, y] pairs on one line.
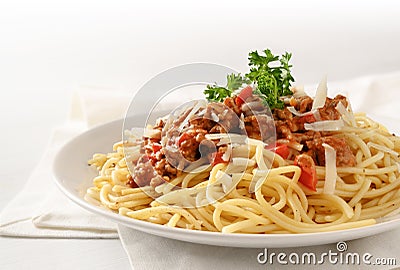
[[258, 163]]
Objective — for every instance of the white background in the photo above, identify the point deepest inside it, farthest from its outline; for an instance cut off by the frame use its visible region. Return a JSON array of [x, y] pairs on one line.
[[50, 48]]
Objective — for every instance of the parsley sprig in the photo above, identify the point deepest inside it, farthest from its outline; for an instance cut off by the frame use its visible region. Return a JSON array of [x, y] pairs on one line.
[[269, 73], [219, 93]]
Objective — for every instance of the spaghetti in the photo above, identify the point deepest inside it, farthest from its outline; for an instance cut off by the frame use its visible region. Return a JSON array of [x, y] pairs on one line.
[[260, 191]]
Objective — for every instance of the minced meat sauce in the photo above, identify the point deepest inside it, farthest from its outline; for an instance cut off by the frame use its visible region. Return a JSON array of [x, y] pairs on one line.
[[292, 128], [160, 164]]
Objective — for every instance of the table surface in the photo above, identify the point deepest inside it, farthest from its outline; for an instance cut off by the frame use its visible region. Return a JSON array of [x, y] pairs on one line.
[[48, 50]]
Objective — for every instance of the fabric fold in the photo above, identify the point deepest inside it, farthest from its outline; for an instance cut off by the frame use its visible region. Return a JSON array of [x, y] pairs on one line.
[[40, 209]]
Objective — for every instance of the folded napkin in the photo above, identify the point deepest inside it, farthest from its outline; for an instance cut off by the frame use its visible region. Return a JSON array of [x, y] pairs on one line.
[[40, 209]]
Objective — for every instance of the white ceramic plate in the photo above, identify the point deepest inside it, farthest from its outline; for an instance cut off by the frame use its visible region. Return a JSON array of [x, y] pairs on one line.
[[73, 176]]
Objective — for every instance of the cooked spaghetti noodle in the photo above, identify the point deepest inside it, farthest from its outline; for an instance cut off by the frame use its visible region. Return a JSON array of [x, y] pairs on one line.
[[250, 197]]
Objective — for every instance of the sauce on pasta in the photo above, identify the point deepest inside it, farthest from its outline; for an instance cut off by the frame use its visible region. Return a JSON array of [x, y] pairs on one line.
[[236, 167]]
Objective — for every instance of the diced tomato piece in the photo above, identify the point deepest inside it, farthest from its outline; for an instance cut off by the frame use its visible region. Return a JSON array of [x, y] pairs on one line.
[[244, 94], [217, 158], [308, 175], [156, 147], [185, 136], [280, 149]]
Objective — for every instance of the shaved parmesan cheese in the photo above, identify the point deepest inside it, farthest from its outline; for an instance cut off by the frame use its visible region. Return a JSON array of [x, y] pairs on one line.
[[291, 144], [132, 154], [317, 116], [225, 180], [238, 161], [198, 105], [346, 115], [352, 114], [241, 122], [328, 125], [212, 194], [297, 113], [152, 133], [330, 169], [214, 117], [201, 112], [295, 145], [201, 198], [318, 102], [233, 139], [216, 136], [320, 95]]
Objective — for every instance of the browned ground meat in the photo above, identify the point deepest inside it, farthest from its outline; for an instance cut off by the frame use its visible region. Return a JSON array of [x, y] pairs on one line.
[[157, 180], [200, 122], [165, 169], [304, 104], [284, 114], [227, 119], [303, 137], [292, 128], [328, 112], [230, 103], [190, 146], [159, 124], [282, 130], [286, 123], [260, 127], [159, 164], [131, 183], [143, 171], [185, 146], [344, 155]]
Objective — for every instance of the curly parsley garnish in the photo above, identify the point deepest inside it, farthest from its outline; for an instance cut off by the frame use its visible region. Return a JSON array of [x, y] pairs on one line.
[[219, 93], [269, 73]]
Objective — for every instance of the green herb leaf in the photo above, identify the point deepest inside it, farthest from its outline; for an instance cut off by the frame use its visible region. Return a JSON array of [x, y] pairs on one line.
[[219, 93], [216, 93], [270, 73], [272, 76], [235, 81]]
